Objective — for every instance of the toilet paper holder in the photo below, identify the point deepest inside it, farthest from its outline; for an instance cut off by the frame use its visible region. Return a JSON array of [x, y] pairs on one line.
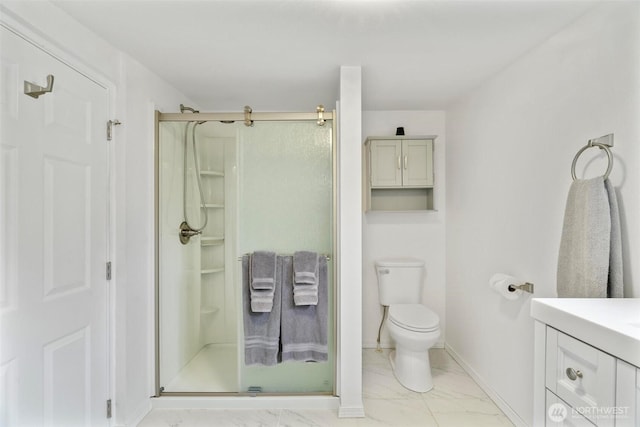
[[527, 287]]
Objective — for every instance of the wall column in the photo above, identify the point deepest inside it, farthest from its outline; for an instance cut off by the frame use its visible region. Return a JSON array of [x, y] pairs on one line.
[[350, 243]]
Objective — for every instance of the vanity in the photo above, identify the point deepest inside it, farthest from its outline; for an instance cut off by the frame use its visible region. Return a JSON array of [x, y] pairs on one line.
[[586, 362]]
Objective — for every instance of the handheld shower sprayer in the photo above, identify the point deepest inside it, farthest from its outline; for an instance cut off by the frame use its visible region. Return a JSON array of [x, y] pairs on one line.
[[184, 108]]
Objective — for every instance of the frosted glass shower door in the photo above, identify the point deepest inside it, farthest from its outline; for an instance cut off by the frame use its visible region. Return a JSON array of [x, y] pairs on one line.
[[285, 204]]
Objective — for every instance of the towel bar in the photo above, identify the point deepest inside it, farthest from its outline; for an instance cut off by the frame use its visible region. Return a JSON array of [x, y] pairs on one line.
[[327, 256]]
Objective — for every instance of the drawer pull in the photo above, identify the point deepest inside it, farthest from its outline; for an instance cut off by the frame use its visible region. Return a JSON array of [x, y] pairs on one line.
[[573, 374]]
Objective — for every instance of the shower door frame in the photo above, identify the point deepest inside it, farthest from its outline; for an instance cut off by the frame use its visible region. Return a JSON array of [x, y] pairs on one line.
[[242, 117]]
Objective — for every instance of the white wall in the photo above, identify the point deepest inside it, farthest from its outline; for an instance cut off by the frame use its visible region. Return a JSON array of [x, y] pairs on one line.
[[510, 147], [418, 235], [144, 92], [137, 91]]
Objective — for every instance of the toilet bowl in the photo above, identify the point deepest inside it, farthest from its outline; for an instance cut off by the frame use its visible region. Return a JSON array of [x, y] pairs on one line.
[[415, 329]]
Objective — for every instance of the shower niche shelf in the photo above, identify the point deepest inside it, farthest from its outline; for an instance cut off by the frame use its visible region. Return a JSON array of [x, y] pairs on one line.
[[212, 173], [213, 244], [212, 241], [209, 309], [212, 270]]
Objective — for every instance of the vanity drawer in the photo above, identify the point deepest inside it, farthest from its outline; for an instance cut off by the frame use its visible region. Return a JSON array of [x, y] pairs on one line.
[[559, 414], [581, 375]]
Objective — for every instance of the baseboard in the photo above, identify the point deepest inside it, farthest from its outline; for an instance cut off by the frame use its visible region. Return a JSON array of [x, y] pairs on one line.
[[391, 344], [351, 412], [499, 401]]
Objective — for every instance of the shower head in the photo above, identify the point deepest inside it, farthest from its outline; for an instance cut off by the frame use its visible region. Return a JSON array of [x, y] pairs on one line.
[[183, 108]]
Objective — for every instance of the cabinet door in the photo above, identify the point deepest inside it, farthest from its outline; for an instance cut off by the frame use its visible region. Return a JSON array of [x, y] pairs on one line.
[[417, 163], [627, 395], [386, 163]]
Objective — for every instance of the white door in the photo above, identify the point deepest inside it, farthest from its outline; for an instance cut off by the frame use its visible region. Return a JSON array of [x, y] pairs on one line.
[[53, 230]]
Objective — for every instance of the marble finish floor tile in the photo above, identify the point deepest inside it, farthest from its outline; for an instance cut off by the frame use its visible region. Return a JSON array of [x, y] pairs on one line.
[[455, 385], [455, 401], [211, 417], [379, 382], [397, 412], [314, 418]]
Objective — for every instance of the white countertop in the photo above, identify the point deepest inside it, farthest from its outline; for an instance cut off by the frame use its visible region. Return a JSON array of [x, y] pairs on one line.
[[610, 324]]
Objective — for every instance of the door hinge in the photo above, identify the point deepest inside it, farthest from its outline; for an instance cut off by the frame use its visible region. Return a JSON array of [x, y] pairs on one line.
[[109, 408], [110, 125], [109, 270]]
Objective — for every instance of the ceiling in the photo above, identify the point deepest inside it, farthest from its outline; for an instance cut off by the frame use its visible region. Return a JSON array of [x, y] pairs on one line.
[[277, 55]]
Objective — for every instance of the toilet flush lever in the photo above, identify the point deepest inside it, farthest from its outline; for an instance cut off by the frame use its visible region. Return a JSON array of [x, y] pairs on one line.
[[383, 271]]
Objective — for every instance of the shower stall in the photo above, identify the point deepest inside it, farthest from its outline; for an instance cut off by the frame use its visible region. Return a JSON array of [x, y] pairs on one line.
[[228, 184]]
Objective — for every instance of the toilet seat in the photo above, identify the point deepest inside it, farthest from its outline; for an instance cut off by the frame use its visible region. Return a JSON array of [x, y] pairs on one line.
[[414, 317]]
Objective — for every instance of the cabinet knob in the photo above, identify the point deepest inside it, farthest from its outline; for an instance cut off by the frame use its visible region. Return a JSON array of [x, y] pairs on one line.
[[573, 374]]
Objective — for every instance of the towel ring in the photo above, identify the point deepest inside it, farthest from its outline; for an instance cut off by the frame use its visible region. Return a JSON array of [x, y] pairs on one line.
[[595, 144]]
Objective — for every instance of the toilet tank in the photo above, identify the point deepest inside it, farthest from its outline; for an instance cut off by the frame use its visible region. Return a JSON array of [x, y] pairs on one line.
[[400, 280]]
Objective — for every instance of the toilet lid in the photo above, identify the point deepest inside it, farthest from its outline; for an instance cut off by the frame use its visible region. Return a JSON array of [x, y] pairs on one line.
[[414, 317]]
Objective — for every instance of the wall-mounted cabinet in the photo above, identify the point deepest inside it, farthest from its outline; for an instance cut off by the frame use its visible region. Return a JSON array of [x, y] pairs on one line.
[[398, 173]]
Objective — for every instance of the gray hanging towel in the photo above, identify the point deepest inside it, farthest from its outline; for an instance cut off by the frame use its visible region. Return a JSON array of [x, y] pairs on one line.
[[615, 287], [590, 253], [304, 327], [261, 329]]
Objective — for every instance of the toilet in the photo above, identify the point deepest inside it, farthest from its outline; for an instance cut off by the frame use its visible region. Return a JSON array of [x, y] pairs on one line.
[[413, 326]]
